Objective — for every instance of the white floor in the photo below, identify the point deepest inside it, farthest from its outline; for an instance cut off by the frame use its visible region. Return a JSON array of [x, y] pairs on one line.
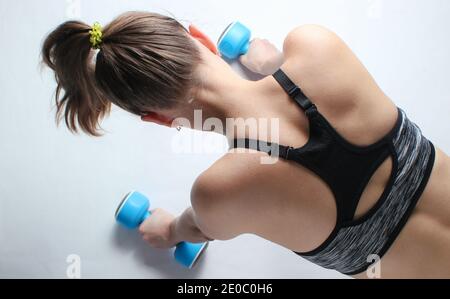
[[58, 192]]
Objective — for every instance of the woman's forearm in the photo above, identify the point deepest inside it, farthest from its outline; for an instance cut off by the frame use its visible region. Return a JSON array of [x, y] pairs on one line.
[[184, 228]]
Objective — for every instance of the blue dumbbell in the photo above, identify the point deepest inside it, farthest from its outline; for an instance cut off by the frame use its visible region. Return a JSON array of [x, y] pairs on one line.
[[234, 41], [133, 210]]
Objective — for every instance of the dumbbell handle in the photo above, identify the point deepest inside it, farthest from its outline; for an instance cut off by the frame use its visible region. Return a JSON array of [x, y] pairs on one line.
[[146, 215]]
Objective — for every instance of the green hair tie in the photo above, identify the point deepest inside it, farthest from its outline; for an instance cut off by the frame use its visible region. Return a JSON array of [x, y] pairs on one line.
[[96, 35]]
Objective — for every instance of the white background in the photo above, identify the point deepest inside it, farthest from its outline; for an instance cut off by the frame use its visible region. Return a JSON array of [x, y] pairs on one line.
[[58, 192]]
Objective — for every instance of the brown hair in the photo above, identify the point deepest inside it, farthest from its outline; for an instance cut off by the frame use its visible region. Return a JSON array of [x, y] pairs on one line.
[[145, 61]]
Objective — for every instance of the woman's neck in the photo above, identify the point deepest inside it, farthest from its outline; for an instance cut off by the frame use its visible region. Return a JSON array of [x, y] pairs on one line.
[[223, 95], [230, 96]]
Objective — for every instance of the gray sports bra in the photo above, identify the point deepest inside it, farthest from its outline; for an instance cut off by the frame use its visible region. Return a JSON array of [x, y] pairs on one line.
[[347, 169]]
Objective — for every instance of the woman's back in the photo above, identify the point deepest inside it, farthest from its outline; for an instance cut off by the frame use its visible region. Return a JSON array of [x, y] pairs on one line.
[[286, 202]]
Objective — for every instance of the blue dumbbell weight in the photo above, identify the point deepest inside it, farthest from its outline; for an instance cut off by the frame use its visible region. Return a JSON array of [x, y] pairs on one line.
[[133, 210], [234, 41]]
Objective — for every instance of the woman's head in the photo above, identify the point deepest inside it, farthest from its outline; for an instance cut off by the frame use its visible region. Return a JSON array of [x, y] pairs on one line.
[[145, 62]]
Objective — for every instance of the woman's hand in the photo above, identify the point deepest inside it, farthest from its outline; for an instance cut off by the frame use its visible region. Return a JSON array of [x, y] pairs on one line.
[[159, 229], [164, 230], [262, 57]]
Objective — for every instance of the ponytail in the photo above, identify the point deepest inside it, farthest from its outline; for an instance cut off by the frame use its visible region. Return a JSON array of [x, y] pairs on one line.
[[68, 52]]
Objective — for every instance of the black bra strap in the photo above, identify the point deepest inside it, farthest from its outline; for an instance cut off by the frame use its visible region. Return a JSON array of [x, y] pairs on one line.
[[272, 149], [294, 92]]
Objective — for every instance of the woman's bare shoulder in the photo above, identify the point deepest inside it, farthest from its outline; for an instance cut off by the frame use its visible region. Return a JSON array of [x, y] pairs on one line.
[[333, 77], [327, 70], [228, 177], [300, 39], [221, 196]]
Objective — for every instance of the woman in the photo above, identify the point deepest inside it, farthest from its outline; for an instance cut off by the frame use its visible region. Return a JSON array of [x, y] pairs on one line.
[[352, 179]]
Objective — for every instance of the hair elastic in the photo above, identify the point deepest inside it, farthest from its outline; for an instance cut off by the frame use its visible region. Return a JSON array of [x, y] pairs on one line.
[[96, 35]]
